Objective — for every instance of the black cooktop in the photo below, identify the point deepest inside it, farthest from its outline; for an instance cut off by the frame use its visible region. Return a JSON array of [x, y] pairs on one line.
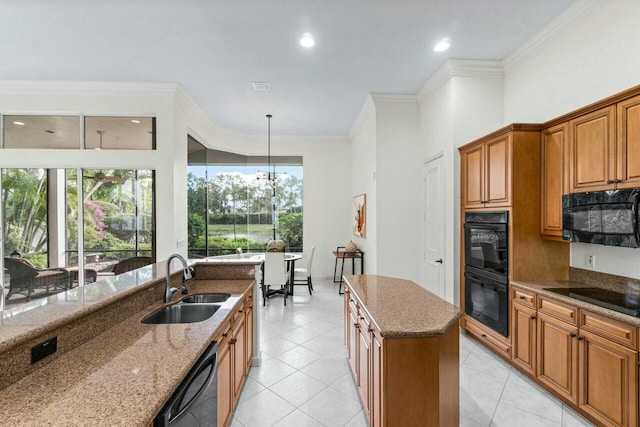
[[627, 304]]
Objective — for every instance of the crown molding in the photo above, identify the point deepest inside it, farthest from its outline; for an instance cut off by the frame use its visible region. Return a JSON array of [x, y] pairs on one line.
[[379, 98], [368, 107], [460, 68], [63, 87], [575, 13]]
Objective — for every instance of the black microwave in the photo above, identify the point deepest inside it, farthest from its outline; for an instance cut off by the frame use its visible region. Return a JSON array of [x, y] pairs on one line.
[[603, 217]]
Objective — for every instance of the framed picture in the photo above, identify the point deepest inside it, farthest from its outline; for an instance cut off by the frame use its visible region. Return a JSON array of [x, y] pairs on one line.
[[360, 215]]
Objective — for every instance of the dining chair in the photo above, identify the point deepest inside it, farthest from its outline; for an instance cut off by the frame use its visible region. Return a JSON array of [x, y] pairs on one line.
[[274, 273], [302, 275]]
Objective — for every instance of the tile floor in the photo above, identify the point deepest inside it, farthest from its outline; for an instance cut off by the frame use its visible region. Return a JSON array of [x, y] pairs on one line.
[[304, 379]]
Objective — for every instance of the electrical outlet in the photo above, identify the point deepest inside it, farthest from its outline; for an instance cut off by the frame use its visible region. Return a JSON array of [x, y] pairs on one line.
[[590, 260]]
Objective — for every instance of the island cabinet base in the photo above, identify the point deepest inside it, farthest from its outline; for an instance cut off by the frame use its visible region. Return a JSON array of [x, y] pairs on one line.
[[406, 370], [420, 380]]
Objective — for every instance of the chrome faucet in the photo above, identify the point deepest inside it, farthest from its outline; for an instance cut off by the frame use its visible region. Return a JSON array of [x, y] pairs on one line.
[[186, 275]]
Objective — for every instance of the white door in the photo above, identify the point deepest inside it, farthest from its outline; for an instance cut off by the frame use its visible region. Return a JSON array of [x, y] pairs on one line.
[[434, 226]]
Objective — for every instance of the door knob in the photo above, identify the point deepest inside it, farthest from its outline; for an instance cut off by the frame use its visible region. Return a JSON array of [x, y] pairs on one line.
[[439, 261]]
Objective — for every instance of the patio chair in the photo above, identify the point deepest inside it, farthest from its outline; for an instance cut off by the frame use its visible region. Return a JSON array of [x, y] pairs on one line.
[[131, 264], [24, 278]]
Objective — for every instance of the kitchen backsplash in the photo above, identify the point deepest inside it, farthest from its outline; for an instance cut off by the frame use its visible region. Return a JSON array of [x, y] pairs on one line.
[[625, 285]]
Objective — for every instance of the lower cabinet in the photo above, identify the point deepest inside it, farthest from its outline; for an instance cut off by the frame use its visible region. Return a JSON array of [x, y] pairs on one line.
[[235, 349], [587, 359], [408, 381]]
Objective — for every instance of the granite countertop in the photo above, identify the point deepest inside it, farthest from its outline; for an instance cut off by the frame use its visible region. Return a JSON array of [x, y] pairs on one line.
[[121, 377], [539, 287], [401, 308]]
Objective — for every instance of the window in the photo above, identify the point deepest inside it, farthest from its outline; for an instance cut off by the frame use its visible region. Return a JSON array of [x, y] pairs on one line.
[[42, 132], [119, 133], [232, 205]]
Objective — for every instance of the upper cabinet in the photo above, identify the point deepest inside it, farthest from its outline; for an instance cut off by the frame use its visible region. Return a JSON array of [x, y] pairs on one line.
[[554, 178], [628, 143], [604, 148], [592, 151], [486, 173]]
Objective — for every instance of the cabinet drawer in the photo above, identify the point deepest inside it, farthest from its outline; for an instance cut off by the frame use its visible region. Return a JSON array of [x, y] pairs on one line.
[[224, 335], [502, 347], [524, 297], [565, 312], [614, 330]]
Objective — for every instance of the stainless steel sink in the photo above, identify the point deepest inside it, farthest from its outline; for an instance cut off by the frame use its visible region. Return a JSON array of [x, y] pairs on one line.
[[181, 314], [206, 298]]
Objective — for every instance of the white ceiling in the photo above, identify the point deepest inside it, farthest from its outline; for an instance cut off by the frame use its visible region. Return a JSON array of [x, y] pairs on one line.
[[216, 48]]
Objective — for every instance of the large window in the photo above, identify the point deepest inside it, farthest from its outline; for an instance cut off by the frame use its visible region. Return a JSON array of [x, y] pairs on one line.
[[232, 205]]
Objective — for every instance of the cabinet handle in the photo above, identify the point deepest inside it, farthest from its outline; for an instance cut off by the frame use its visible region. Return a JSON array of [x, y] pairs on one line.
[[521, 296], [370, 330], [580, 338], [225, 334], [240, 311], [617, 181], [638, 364], [361, 317], [484, 335], [610, 181], [532, 317], [572, 335], [233, 341], [356, 325]]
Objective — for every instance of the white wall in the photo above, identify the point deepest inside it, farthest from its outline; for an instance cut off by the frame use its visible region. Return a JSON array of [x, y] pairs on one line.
[[462, 102], [594, 55], [363, 176], [326, 169], [398, 179]]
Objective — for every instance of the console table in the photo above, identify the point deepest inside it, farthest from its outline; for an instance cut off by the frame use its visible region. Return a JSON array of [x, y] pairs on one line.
[[341, 254]]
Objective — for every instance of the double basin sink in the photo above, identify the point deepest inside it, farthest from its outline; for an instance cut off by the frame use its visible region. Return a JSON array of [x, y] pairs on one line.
[[194, 308]]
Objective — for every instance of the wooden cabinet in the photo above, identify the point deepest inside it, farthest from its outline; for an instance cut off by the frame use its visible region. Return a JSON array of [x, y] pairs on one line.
[[628, 143], [586, 358], [486, 173], [413, 380], [609, 381], [558, 356], [523, 346], [234, 356], [554, 182], [604, 148]]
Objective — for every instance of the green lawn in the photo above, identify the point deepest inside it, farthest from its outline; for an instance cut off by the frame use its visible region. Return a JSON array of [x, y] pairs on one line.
[[224, 229]]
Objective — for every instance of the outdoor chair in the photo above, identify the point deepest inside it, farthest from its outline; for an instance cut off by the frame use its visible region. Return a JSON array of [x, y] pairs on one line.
[[25, 278], [131, 264]]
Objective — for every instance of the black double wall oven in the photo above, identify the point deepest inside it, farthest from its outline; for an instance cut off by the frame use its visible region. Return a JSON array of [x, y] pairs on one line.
[[486, 253]]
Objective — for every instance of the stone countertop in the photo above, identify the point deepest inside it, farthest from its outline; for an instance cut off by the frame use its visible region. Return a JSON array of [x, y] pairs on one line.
[[124, 376], [539, 287], [401, 308], [45, 314]]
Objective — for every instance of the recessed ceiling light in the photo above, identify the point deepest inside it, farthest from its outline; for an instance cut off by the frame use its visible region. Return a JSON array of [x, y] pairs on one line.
[[49, 131], [18, 123], [135, 121], [307, 41], [442, 45]]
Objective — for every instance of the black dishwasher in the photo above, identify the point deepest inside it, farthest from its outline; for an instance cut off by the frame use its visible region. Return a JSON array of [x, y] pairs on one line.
[[195, 402]]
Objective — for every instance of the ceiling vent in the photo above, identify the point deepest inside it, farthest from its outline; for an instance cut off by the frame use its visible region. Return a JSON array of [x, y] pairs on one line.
[[261, 86]]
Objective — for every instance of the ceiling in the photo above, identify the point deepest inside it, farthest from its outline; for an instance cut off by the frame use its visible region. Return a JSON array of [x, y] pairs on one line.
[[216, 48]]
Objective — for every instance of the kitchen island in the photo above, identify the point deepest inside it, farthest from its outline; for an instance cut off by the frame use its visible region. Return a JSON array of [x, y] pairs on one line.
[[402, 343]]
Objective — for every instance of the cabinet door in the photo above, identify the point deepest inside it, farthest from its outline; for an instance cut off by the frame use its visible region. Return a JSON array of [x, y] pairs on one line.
[[364, 353], [628, 143], [352, 347], [592, 151], [375, 412], [609, 386], [248, 325], [239, 361], [224, 384], [558, 356], [554, 179], [498, 172], [472, 162], [523, 347]]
